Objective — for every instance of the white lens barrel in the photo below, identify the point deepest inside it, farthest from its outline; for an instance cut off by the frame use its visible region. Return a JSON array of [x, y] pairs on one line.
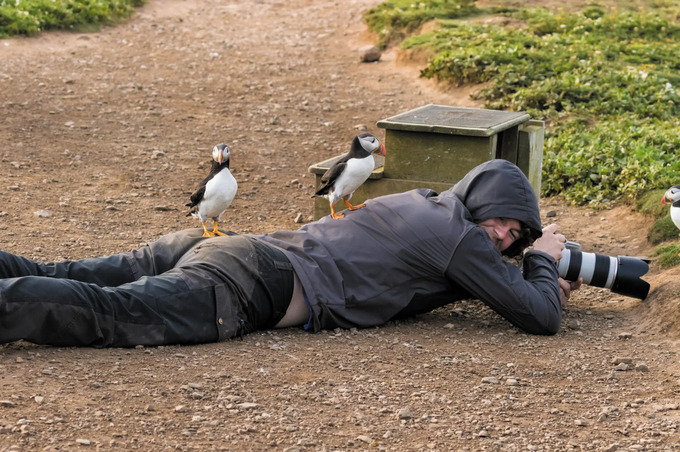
[[595, 269]]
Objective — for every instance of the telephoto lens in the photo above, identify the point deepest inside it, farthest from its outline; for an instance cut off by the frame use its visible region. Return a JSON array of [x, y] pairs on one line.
[[620, 274]]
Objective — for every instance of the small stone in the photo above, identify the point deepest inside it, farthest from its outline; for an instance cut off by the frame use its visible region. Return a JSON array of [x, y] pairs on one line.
[[369, 53], [405, 413], [483, 434], [620, 359], [551, 213], [491, 380], [574, 324], [247, 405], [622, 367], [42, 213], [625, 335], [299, 218], [642, 367], [84, 442], [364, 439]]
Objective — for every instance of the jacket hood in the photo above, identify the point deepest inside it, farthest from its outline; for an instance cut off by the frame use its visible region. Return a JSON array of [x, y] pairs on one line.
[[496, 189]]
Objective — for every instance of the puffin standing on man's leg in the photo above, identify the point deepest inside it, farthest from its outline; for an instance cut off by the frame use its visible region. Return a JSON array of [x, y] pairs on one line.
[[215, 193], [347, 174]]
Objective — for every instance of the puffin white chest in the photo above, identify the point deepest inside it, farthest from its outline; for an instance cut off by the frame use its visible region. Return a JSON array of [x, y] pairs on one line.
[[675, 214], [219, 193], [356, 172]]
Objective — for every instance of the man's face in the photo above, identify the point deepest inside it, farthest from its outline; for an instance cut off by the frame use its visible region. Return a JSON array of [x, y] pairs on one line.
[[502, 231]]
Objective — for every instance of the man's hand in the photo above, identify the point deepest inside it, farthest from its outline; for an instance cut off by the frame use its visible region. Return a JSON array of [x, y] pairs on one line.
[[551, 242], [566, 287]]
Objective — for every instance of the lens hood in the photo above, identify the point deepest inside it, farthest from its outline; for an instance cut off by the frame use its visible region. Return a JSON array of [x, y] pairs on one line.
[[628, 277]]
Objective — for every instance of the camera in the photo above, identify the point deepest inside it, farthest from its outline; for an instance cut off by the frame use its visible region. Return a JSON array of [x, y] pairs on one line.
[[620, 274]]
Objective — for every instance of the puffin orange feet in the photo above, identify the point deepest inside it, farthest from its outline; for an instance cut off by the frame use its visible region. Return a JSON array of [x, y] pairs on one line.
[[215, 231], [351, 207], [336, 215], [206, 233]]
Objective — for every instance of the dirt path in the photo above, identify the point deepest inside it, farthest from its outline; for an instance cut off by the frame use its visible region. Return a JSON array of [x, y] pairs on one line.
[[105, 136]]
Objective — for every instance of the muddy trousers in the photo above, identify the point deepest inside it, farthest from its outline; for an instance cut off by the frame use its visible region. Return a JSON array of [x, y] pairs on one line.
[[181, 289]]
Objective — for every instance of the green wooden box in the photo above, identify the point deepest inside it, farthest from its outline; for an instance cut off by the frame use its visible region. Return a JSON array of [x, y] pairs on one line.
[[434, 146]]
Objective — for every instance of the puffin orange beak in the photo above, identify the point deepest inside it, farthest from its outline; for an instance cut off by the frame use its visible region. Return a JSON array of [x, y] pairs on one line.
[[665, 200], [382, 150], [220, 158]]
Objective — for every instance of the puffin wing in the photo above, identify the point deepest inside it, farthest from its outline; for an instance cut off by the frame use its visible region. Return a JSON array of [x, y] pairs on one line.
[[198, 195], [330, 176]]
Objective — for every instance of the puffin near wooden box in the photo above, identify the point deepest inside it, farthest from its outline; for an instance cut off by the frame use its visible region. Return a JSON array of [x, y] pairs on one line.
[[434, 146]]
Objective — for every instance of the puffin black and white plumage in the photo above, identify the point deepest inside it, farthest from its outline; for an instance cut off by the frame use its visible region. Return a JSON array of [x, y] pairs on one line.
[[215, 193], [347, 174], [672, 197]]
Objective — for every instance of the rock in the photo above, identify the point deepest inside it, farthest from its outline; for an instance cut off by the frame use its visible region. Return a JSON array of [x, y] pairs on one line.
[[491, 380], [365, 439], [619, 360], [299, 218], [369, 53], [247, 405], [405, 413]]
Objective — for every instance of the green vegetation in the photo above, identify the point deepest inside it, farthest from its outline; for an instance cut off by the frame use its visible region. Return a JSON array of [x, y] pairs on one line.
[[393, 20], [668, 255], [28, 17], [607, 82]]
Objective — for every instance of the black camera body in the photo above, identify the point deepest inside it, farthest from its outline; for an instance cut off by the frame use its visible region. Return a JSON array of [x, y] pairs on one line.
[[621, 274]]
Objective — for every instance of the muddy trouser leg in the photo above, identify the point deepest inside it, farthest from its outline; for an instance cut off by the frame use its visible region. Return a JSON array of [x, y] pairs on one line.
[[197, 302], [152, 259]]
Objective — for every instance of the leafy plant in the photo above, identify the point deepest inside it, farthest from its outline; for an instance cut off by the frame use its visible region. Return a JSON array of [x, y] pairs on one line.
[[28, 17], [395, 19], [605, 82], [668, 255]]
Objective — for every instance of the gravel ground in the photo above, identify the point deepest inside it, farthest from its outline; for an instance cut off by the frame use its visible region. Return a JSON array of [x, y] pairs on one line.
[[106, 136]]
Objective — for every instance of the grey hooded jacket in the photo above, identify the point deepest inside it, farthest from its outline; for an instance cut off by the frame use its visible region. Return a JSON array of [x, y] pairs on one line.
[[409, 253]]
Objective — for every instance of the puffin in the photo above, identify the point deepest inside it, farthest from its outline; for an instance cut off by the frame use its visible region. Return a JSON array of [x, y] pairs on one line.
[[214, 193], [672, 197], [347, 174]]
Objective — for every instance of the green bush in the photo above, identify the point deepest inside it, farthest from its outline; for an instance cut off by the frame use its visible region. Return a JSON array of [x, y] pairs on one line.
[[395, 19], [27, 17], [607, 85], [662, 230], [668, 255]]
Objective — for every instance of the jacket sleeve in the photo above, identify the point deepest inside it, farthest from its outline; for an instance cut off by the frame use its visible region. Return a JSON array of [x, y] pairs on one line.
[[530, 300]]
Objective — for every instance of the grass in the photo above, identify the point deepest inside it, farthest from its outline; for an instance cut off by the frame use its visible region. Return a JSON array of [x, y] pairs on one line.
[[28, 17], [606, 81]]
